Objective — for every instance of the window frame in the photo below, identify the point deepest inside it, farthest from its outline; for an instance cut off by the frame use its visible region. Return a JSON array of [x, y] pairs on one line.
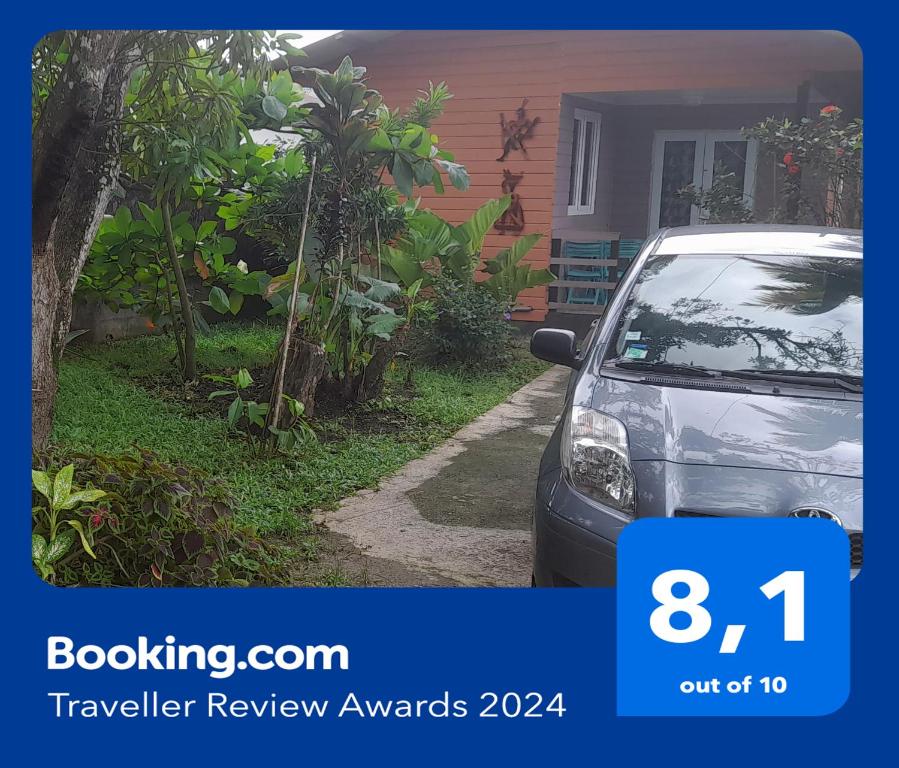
[[585, 116]]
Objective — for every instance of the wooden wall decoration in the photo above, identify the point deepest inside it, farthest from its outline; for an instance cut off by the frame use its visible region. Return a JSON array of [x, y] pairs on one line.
[[513, 219], [516, 131]]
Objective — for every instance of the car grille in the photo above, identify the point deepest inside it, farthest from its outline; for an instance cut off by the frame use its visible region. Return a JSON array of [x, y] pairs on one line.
[[856, 538], [691, 513], [856, 549]]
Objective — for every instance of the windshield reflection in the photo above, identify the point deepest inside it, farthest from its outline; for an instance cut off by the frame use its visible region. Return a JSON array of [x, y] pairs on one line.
[[735, 312]]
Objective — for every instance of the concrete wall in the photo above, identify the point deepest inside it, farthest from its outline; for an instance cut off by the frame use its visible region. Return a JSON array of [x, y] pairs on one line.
[[102, 324]]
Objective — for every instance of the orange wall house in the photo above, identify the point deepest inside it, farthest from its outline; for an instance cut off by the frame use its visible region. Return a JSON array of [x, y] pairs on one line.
[[645, 85]]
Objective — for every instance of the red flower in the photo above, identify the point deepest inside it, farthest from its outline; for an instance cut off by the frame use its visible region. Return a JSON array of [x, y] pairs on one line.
[[792, 169], [788, 158], [96, 520], [830, 109], [840, 151]]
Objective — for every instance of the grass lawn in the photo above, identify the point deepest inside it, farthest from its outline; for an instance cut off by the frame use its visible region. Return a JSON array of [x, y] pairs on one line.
[[122, 394]]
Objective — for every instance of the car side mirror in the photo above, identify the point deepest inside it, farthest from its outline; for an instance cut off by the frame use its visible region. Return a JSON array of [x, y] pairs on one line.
[[556, 346]]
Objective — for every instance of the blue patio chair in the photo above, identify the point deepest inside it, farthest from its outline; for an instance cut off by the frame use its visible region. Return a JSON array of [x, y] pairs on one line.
[[627, 250], [599, 249]]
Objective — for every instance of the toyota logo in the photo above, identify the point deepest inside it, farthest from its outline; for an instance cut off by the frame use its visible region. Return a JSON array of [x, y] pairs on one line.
[[816, 513]]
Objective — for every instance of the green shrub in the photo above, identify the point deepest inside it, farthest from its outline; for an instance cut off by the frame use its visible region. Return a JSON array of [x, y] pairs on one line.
[[470, 327], [162, 525]]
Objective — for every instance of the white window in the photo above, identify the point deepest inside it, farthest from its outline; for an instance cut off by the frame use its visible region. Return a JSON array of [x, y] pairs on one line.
[[584, 157]]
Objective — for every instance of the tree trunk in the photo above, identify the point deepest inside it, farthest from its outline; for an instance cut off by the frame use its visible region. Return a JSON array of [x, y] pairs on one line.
[[369, 383], [75, 166], [187, 314], [305, 368]]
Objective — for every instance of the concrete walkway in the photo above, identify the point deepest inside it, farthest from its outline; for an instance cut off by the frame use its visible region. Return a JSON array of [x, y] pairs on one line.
[[460, 515]]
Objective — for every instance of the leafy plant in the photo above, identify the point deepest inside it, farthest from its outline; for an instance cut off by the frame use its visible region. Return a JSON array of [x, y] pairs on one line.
[[469, 327], [266, 198], [184, 135], [509, 277], [819, 164], [248, 417], [297, 432], [61, 504], [241, 413], [432, 246], [163, 525], [342, 303], [816, 165], [130, 267], [89, 93], [353, 119], [723, 202]]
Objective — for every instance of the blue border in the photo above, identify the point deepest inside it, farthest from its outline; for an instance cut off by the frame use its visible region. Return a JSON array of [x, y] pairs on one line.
[[420, 642]]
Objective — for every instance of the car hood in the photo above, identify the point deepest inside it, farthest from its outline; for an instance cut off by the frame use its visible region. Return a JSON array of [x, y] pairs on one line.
[[691, 426]]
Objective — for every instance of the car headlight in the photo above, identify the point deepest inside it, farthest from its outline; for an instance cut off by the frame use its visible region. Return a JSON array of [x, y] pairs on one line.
[[596, 458]]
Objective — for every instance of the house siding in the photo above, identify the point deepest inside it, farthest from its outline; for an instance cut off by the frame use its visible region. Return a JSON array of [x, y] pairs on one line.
[[492, 71]]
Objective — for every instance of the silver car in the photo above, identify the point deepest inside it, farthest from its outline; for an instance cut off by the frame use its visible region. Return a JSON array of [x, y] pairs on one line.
[[724, 380]]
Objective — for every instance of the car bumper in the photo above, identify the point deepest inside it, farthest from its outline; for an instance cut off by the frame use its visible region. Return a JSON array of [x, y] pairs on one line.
[[575, 541], [566, 555]]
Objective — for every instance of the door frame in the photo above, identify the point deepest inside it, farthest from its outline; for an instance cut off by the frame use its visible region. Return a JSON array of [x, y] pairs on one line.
[[703, 166]]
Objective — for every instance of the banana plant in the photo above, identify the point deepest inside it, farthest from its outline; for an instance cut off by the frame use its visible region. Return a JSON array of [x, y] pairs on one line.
[[509, 277], [61, 497], [432, 245], [431, 242]]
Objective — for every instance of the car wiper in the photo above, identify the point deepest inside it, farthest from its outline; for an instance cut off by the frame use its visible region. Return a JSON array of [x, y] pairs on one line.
[[843, 381], [674, 368]]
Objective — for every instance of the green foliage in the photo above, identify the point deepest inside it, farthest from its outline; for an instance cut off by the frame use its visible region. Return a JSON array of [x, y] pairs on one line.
[[182, 130], [344, 304], [187, 112], [360, 129], [419, 253], [59, 503], [242, 414], [820, 167], [428, 106], [275, 493], [163, 525], [509, 277], [166, 59], [471, 233], [266, 198], [129, 265], [723, 202], [49, 57], [469, 328], [187, 144], [297, 432], [817, 169], [431, 243], [248, 418], [365, 319], [432, 246]]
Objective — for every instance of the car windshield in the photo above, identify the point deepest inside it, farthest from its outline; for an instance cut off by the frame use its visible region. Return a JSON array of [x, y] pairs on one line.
[[790, 314]]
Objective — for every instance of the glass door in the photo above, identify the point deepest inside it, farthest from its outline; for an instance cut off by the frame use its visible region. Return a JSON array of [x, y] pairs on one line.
[[684, 158]]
